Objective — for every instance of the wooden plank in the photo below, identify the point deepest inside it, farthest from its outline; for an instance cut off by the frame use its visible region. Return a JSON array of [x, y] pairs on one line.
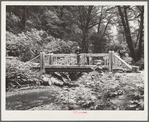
[[43, 58], [121, 60], [106, 58], [49, 60], [67, 60], [112, 58], [41, 66], [85, 59], [42, 61], [90, 61], [61, 55], [55, 60], [115, 62], [33, 58], [63, 66], [87, 54], [74, 66], [105, 61], [82, 59], [110, 63], [68, 70], [36, 65], [95, 54]]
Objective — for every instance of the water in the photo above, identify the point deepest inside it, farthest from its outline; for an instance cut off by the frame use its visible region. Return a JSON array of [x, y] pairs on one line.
[[29, 100], [120, 100]]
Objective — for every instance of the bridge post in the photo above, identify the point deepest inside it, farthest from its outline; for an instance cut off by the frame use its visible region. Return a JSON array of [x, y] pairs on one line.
[[42, 60], [90, 60], [78, 59], [113, 63], [50, 60], [135, 69], [110, 61]]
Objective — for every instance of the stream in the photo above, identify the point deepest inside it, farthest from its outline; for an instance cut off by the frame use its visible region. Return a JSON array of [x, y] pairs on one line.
[[29, 100]]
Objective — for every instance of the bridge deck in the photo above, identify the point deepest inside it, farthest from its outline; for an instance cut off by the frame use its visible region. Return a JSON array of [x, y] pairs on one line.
[[70, 62], [69, 68]]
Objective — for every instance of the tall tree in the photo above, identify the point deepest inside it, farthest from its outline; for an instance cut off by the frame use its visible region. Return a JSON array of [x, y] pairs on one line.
[[123, 11], [23, 18], [141, 31], [105, 21], [86, 20]]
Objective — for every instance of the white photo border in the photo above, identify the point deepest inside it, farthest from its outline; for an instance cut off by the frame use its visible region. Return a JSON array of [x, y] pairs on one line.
[[69, 115]]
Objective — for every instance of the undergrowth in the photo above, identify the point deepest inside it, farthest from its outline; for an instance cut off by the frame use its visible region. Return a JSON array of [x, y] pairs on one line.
[[95, 92]]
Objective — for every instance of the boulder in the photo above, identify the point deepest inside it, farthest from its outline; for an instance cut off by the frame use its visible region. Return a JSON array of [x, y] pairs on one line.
[[56, 81], [56, 78], [61, 76], [46, 80]]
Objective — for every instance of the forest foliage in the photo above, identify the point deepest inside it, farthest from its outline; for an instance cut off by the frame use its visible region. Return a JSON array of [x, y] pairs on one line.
[[60, 29], [31, 28]]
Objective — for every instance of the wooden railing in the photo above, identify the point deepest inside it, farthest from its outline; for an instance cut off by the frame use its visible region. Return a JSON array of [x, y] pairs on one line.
[[110, 60], [116, 62], [73, 59]]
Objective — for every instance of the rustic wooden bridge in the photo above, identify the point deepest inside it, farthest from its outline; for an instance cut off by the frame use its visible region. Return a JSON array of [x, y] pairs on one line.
[[84, 62]]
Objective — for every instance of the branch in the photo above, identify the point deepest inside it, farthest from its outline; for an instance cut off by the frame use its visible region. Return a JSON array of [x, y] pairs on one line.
[[138, 35], [92, 25], [110, 8], [127, 24], [105, 29], [100, 20], [122, 18]]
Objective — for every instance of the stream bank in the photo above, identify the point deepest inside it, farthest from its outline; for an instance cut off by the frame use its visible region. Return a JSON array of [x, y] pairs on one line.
[[110, 91]]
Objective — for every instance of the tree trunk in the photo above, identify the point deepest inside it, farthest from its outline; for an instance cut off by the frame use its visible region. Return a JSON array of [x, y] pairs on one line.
[[127, 32], [84, 43], [141, 36], [100, 21], [85, 19], [23, 20]]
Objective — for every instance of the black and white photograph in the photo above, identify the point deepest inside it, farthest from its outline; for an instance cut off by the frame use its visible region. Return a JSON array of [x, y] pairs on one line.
[[74, 60]]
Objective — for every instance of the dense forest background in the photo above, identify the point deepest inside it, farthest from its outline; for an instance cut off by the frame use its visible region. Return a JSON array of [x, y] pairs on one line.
[[60, 29]]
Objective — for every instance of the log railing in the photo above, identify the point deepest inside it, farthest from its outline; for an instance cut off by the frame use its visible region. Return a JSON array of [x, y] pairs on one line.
[[72, 59], [111, 60], [117, 62]]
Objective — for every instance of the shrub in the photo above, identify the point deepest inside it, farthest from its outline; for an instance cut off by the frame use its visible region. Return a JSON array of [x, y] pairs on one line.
[[25, 45], [12, 44], [12, 23], [18, 73], [60, 46], [32, 43]]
